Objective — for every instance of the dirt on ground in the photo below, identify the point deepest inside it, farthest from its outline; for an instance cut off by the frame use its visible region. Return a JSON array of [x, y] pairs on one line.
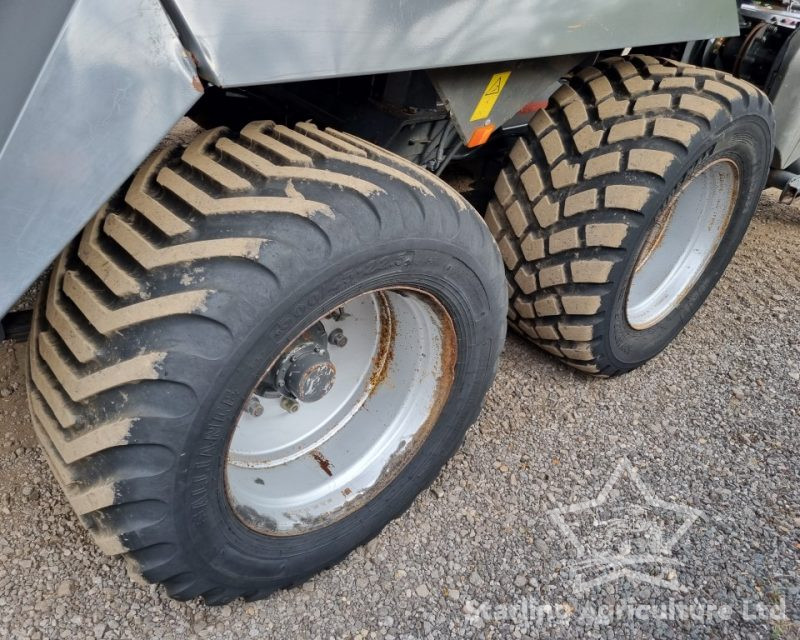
[[706, 433]]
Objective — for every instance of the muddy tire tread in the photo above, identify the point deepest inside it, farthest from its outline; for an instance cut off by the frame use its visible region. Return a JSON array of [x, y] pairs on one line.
[[578, 179], [134, 270]]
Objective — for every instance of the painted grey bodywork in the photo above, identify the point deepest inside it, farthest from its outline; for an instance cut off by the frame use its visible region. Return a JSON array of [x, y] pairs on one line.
[[785, 97], [94, 85], [91, 86], [241, 42]]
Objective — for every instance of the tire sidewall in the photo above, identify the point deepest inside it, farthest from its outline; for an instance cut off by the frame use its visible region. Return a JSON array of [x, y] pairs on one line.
[[745, 141], [219, 541]]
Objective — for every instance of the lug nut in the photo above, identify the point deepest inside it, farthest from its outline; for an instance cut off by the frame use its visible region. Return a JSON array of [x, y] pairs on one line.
[[290, 405], [337, 338], [254, 407]]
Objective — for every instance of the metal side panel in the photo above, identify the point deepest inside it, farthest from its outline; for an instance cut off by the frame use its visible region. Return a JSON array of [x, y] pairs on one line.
[[785, 96], [241, 42], [491, 94], [89, 88]]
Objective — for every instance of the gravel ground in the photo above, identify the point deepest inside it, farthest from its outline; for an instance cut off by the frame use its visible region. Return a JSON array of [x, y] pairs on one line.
[[709, 428]]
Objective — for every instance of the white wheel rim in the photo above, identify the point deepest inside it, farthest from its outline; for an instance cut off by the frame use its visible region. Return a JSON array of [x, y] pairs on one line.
[[289, 473], [684, 238]]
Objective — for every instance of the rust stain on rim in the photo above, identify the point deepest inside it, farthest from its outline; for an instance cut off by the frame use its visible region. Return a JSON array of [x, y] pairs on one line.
[[408, 449], [323, 462], [656, 235], [383, 358], [444, 385]]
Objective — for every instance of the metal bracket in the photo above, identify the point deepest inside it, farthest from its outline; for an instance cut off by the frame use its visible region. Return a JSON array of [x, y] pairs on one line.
[[486, 96], [787, 181], [790, 191]]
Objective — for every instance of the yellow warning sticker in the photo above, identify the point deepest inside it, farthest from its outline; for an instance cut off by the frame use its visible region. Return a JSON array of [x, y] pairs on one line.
[[490, 96]]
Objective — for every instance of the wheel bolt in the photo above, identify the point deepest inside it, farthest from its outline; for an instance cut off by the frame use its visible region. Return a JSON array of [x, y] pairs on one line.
[[254, 407], [290, 405], [337, 338]]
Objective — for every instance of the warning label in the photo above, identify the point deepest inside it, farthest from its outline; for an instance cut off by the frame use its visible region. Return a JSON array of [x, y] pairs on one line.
[[490, 95]]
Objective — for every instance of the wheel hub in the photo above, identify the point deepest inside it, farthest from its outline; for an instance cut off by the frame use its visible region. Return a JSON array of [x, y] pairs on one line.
[[305, 372]]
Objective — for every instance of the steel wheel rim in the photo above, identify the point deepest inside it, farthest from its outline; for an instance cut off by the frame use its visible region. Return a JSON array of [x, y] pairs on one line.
[[681, 243], [291, 473]]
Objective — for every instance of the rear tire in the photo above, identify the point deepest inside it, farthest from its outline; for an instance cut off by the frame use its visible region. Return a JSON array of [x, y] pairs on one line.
[[575, 209], [160, 320]]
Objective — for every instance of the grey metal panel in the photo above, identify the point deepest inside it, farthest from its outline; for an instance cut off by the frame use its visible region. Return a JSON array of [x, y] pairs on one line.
[[529, 81], [95, 95], [29, 34], [241, 42], [785, 97]]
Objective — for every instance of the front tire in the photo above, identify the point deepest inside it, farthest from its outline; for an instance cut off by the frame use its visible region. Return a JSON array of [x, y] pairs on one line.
[[166, 318], [612, 216]]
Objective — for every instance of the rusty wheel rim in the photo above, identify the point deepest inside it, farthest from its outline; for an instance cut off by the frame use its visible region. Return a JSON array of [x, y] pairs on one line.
[[681, 243], [298, 467]]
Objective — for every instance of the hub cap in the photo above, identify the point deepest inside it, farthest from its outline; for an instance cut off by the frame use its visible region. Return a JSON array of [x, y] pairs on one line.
[[303, 463], [683, 240]]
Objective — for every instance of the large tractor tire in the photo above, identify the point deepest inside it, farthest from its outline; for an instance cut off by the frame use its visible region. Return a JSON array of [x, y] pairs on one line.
[[259, 352], [622, 204]]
